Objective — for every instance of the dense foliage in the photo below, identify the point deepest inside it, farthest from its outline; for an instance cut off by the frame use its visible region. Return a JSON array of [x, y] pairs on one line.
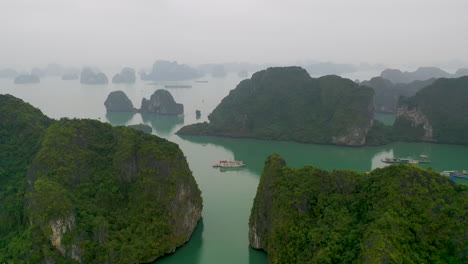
[[97, 194], [287, 104], [444, 104], [21, 129], [398, 214], [118, 101], [379, 134]]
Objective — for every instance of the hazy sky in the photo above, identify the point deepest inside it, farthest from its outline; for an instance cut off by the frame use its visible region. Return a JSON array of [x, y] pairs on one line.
[[136, 32]]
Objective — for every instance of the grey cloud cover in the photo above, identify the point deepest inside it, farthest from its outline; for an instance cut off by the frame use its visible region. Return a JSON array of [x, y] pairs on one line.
[[119, 32]]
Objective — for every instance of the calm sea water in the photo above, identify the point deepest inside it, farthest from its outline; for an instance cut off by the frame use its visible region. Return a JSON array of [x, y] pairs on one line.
[[221, 237]]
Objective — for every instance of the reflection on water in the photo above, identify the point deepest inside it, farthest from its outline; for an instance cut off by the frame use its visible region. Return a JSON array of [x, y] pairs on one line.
[[255, 152], [119, 118], [222, 236], [329, 157], [190, 252], [164, 125]]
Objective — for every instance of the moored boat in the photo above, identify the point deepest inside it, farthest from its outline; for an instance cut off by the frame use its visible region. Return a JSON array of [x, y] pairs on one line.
[[229, 164], [404, 161], [396, 160], [455, 174]]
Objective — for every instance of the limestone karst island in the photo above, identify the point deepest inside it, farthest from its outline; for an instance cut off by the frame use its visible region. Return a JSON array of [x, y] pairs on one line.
[[233, 132]]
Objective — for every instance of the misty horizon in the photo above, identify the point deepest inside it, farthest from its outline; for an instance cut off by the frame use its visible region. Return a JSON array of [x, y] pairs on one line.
[[115, 34]]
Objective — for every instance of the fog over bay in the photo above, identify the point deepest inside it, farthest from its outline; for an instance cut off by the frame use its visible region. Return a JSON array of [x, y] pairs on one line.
[[398, 33]]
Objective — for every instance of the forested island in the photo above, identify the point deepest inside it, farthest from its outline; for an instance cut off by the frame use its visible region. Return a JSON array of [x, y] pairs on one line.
[[437, 113], [421, 74], [387, 94], [170, 71], [161, 102], [88, 76], [82, 191], [398, 214], [118, 101], [285, 103], [126, 75], [27, 78]]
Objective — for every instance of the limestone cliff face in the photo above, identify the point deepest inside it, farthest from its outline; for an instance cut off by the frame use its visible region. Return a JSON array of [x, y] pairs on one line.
[[88, 76], [161, 102], [355, 136], [118, 101], [26, 78], [95, 186], [285, 103], [59, 227], [416, 119], [126, 75], [261, 216]]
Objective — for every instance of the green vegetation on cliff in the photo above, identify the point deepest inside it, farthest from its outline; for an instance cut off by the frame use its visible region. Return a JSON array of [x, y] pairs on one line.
[[96, 194], [287, 104], [21, 129], [398, 214], [437, 113]]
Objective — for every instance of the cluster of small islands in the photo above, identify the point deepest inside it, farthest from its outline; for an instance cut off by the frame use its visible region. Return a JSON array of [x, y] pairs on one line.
[[83, 191]]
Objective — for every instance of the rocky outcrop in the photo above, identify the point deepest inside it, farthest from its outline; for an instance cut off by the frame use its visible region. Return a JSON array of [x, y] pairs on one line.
[[309, 215], [69, 77], [59, 227], [26, 78], [421, 74], [437, 113], [126, 75], [261, 217], [88, 76], [81, 187], [170, 71], [387, 94], [355, 136], [118, 101], [143, 180], [416, 119], [285, 103], [161, 102]]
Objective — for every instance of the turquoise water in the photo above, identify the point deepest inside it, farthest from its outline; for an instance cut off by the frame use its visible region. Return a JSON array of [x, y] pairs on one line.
[[222, 235], [386, 118]]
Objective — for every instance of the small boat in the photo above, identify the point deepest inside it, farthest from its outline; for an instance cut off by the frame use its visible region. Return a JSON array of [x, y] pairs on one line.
[[404, 161], [177, 86], [396, 160], [455, 174], [229, 164], [423, 156]]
